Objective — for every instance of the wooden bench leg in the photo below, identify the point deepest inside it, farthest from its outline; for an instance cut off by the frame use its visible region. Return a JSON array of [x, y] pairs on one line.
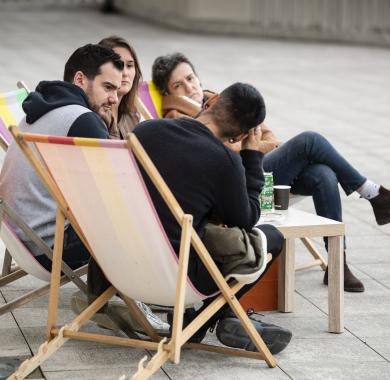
[[335, 284], [286, 281]]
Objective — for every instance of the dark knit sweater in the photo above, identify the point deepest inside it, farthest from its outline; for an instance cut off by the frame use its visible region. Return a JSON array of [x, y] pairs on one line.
[[206, 177]]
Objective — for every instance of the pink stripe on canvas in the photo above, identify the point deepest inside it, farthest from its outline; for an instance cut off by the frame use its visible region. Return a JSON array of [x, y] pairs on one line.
[[5, 133], [144, 94]]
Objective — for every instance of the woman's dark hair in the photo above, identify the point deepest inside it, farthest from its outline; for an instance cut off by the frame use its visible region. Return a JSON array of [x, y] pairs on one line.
[[127, 104], [88, 59], [240, 107], [162, 69]]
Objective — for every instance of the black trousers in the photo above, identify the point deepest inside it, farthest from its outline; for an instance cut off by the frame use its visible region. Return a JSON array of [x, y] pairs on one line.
[[275, 241], [97, 283], [75, 254]]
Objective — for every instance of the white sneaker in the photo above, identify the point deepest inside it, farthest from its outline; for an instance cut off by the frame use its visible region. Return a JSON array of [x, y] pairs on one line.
[[157, 323], [79, 303]]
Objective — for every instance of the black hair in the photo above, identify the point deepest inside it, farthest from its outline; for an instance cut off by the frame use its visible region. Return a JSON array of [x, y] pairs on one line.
[[240, 107], [88, 59], [162, 69]]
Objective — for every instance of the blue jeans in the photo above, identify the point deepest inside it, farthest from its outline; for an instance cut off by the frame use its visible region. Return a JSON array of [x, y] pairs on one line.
[[312, 166]]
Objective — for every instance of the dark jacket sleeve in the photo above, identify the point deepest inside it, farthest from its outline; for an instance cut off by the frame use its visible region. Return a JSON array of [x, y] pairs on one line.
[[238, 199], [90, 125]]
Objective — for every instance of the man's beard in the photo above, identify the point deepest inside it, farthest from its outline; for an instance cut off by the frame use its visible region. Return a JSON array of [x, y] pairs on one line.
[[105, 115]]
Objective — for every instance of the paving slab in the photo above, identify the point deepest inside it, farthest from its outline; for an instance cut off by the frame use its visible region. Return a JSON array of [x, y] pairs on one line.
[[12, 342], [101, 373], [206, 365], [378, 270], [369, 325], [318, 370], [381, 345], [342, 348], [36, 316], [42, 302], [93, 358], [356, 304], [7, 321]]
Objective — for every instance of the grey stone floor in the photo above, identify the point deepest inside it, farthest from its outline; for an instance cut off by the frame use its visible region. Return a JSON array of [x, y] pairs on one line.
[[341, 91]]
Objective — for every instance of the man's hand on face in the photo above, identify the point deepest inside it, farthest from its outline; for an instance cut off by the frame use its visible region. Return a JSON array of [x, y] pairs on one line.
[[252, 140], [107, 118], [267, 146], [255, 141]]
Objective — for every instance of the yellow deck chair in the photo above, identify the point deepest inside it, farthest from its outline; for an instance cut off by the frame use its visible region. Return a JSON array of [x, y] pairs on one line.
[[113, 212]]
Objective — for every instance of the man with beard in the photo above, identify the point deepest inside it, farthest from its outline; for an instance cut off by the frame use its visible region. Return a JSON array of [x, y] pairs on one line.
[[74, 107]]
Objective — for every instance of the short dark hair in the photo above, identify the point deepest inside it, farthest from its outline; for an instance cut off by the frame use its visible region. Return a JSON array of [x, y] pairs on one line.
[[240, 107], [162, 69], [88, 59]]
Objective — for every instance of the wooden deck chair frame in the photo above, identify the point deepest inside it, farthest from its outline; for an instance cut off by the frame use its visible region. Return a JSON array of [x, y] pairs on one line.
[[318, 258], [69, 274], [7, 269], [165, 350]]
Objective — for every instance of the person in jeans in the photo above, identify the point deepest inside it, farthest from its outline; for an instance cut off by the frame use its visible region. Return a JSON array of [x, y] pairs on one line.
[[308, 162]]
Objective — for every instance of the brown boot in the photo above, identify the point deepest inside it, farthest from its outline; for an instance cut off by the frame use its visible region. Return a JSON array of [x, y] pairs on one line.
[[381, 206], [351, 283]]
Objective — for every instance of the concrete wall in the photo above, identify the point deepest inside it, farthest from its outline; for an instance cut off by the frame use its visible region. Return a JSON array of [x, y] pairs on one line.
[[364, 21]]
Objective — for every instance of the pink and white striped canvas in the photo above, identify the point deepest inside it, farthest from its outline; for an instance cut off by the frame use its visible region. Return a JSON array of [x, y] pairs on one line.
[[105, 191]]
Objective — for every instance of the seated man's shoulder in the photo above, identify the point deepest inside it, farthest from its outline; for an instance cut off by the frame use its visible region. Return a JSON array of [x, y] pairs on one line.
[[155, 126], [88, 124]]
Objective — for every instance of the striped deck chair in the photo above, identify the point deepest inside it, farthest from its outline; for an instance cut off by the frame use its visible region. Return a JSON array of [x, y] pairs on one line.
[[11, 112], [149, 101], [27, 262], [29, 265], [113, 211], [149, 104]]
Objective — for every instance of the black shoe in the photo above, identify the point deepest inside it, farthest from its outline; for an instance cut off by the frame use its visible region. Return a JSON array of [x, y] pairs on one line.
[[231, 333], [189, 316], [351, 283], [381, 206]]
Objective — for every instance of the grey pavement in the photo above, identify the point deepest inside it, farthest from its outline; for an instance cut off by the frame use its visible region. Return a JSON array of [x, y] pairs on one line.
[[340, 91]]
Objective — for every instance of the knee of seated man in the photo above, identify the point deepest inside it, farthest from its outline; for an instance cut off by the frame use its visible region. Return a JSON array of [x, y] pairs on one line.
[[275, 239]]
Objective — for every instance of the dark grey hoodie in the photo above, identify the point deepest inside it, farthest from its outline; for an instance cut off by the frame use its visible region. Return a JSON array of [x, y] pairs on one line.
[[54, 108]]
